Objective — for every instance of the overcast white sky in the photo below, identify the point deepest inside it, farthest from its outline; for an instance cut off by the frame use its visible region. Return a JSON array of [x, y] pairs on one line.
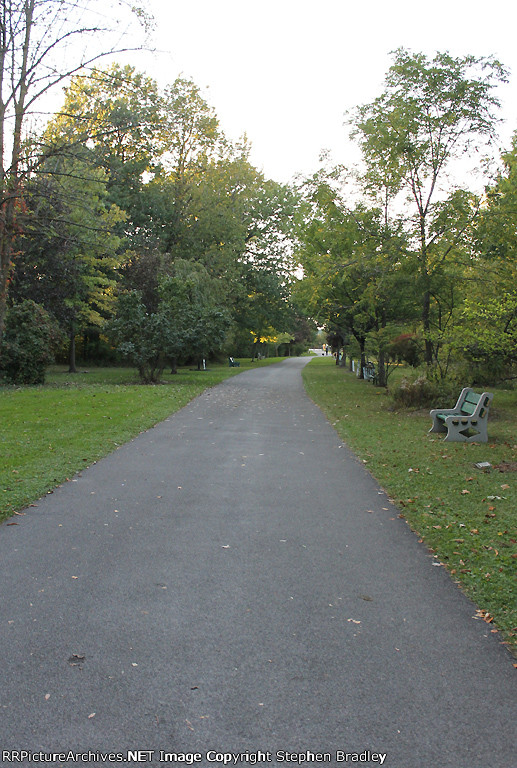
[[285, 71]]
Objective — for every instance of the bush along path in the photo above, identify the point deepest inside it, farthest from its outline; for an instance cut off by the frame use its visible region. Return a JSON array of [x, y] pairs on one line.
[[467, 516]]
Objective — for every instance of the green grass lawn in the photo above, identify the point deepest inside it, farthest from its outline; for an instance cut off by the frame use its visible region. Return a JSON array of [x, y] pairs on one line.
[[49, 433], [466, 516]]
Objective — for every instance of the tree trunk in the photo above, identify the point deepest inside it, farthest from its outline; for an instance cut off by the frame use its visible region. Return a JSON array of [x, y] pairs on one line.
[[3, 303], [11, 190], [71, 353], [362, 363], [381, 362], [426, 324], [426, 298], [381, 369]]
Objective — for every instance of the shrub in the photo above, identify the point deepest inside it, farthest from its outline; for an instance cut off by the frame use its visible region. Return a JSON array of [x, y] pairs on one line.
[[406, 348], [139, 337], [422, 392], [28, 343]]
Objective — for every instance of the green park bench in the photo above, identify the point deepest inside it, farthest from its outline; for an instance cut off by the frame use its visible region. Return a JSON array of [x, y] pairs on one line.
[[467, 421], [233, 363]]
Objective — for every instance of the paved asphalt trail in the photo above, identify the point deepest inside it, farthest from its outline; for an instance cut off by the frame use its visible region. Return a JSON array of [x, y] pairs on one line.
[[234, 580]]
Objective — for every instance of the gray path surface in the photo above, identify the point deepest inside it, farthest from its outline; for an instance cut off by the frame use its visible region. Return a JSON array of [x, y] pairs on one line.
[[234, 580]]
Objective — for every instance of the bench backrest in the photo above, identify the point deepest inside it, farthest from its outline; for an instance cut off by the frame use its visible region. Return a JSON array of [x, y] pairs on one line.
[[471, 402]]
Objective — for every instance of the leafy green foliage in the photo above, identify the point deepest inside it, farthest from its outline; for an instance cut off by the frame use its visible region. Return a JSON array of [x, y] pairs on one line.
[[430, 114], [190, 321], [137, 183], [353, 280], [27, 345], [69, 249], [193, 303], [489, 320], [141, 338], [406, 348]]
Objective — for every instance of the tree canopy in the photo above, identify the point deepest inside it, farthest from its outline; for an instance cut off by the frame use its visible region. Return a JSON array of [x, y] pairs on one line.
[[132, 214], [411, 248]]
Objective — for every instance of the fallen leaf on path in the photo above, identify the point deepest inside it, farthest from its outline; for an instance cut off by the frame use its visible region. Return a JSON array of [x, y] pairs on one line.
[[481, 614]]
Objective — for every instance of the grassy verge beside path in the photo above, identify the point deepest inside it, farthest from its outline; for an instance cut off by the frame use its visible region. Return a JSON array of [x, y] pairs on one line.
[[467, 517], [49, 433]]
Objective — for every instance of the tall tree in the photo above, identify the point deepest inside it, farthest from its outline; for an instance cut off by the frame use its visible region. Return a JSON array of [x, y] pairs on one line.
[[42, 43], [490, 311], [117, 112], [430, 114], [69, 250], [353, 278], [194, 303]]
